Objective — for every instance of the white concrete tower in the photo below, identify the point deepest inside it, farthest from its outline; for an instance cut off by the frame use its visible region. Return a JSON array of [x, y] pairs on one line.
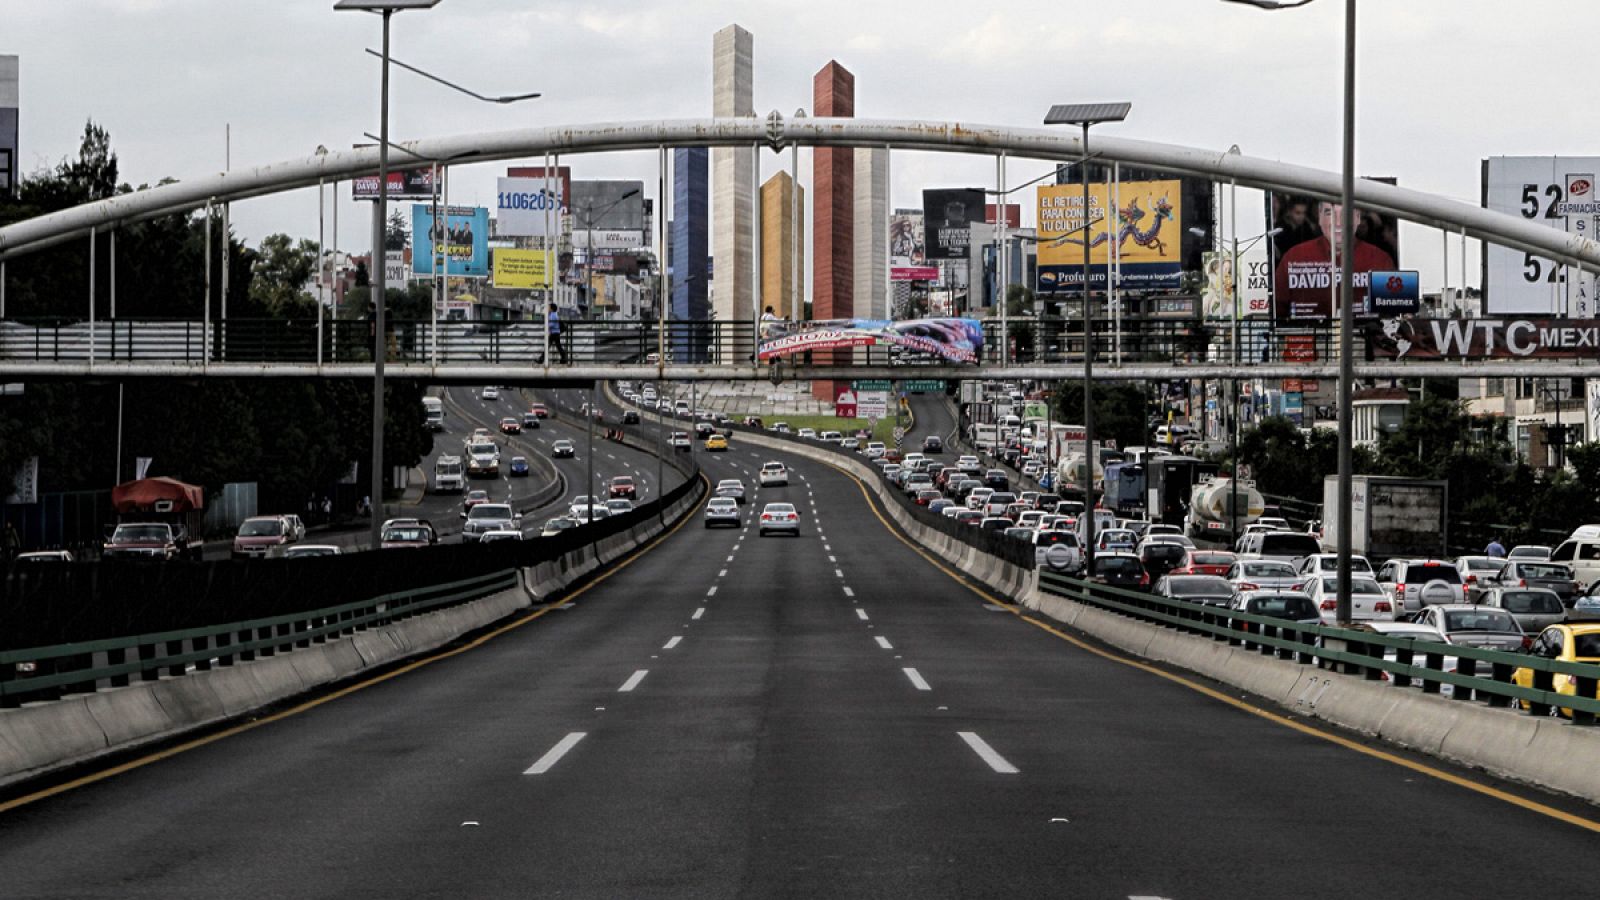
[[872, 232], [732, 179]]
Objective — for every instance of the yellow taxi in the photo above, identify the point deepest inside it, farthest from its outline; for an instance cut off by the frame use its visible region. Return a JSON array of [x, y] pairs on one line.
[[716, 442], [1575, 642]]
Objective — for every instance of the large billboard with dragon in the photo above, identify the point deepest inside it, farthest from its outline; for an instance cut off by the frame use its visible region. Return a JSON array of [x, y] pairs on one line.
[[1143, 220]]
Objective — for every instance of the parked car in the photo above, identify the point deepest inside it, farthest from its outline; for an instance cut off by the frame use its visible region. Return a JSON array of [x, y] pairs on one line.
[[1566, 643], [1479, 574], [1522, 573], [1414, 583], [1535, 609], [1473, 626], [1262, 574], [1119, 569], [1211, 590], [1532, 552], [1367, 600]]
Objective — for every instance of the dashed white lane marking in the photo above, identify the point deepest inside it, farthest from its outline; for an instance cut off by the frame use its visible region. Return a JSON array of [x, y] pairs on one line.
[[673, 641], [987, 754], [827, 548], [554, 754], [883, 642], [917, 681], [712, 592], [839, 572], [633, 681], [729, 559], [849, 593], [698, 613], [861, 614], [832, 560], [722, 573]]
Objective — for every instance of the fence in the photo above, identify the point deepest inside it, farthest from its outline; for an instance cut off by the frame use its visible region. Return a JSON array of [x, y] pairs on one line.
[[1374, 656]]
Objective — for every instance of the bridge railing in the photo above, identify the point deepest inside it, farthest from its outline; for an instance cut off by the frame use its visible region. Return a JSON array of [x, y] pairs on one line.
[[1478, 675], [524, 342]]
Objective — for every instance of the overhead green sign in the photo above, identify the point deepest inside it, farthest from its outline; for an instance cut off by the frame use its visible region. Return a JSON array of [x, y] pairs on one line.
[[870, 385], [923, 386]]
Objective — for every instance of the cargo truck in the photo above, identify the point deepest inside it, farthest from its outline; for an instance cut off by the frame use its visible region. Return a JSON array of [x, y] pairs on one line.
[[1391, 517], [433, 413], [1211, 504]]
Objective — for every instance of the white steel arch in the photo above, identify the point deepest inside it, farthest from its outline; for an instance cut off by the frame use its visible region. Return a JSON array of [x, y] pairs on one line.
[[777, 132]]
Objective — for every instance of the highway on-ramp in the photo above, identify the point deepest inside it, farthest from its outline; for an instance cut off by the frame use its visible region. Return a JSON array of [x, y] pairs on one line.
[[829, 715]]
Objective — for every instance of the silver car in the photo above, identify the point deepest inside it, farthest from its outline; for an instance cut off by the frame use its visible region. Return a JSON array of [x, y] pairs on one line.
[[1479, 573], [722, 511], [1473, 626], [1415, 583], [732, 488], [1261, 575], [486, 517], [776, 517], [1535, 609]]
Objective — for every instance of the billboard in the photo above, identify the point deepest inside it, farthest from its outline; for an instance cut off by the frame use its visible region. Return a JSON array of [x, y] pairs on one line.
[[1305, 273], [412, 184], [948, 215], [560, 179], [609, 205], [394, 267], [1216, 294], [523, 269], [913, 273], [1013, 214], [1393, 293], [465, 237], [526, 207], [1512, 338], [607, 240], [1147, 225], [906, 238], [1554, 191], [954, 340]]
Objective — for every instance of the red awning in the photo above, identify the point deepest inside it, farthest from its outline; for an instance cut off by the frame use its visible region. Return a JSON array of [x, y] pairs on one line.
[[146, 494]]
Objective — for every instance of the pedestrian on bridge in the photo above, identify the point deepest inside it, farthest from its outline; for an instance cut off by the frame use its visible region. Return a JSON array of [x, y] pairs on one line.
[[12, 543], [1495, 550], [553, 326]]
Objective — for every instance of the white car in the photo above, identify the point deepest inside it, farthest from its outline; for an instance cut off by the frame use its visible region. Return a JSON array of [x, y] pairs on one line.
[[780, 517], [583, 502], [875, 450], [1368, 602], [491, 393], [50, 556], [619, 505], [809, 434], [722, 511], [978, 497], [774, 474], [501, 534], [1328, 563]]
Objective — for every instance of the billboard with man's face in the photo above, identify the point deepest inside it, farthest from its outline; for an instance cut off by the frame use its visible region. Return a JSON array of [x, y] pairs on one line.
[[463, 237], [948, 215], [1305, 265]]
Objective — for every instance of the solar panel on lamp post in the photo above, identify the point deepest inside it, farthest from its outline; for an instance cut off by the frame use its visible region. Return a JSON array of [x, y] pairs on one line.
[[1085, 115], [386, 8]]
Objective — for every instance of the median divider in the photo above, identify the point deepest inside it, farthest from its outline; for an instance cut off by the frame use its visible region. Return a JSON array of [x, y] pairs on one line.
[[316, 649]]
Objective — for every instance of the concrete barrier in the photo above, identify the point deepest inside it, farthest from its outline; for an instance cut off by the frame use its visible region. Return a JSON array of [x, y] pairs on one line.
[[45, 737]]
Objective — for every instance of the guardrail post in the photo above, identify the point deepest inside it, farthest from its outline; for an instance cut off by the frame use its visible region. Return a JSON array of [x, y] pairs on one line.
[[1501, 672], [1586, 686], [1403, 656], [147, 655], [203, 642], [1465, 665], [1434, 661], [175, 648], [1543, 680]]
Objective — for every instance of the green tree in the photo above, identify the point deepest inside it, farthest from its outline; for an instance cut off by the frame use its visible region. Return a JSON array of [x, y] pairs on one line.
[[280, 270], [397, 236], [1120, 409]]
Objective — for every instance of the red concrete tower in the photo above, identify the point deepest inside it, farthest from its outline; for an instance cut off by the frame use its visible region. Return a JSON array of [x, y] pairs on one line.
[[833, 94]]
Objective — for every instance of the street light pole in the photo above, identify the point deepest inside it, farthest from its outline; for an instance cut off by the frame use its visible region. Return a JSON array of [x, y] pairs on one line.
[[379, 290], [1347, 318]]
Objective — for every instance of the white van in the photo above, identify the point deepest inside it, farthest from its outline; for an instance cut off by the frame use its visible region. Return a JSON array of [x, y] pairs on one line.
[[1103, 519], [1582, 556]]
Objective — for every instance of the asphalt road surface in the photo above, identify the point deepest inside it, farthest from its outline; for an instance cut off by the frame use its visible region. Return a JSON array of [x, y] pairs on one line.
[[822, 716]]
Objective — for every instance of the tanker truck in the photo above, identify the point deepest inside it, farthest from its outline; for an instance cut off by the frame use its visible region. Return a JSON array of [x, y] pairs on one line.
[[1211, 507]]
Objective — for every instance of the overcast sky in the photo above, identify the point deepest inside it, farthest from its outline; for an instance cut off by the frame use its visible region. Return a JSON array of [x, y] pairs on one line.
[[1442, 83]]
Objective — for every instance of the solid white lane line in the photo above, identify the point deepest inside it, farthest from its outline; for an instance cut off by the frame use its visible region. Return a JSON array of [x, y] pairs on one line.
[[987, 754], [883, 642], [633, 681], [698, 613], [849, 593], [861, 614], [673, 641], [554, 754], [712, 592], [917, 681]]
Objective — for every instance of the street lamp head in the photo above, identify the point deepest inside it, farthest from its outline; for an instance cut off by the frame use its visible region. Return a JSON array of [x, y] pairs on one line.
[[1198, 232], [1087, 113], [383, 5]]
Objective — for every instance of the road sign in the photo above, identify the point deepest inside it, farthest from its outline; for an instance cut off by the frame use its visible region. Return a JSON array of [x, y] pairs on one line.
[[923, 386], [872, 384], [872, 404], [844, 406]]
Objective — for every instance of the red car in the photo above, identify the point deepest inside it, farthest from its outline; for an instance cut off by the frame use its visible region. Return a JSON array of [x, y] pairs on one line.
[[1205, 562], [540, 410], [927, 496], [473, 498], [622, 487], [509, 425]]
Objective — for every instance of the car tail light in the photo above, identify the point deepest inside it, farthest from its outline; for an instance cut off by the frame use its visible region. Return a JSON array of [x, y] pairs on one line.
[[1247, 586], [1400, 589], [1383, 606], [765, 517], [1527, 642], [1523, 583], [1472, 579], [1144, 579], [1299, 586]]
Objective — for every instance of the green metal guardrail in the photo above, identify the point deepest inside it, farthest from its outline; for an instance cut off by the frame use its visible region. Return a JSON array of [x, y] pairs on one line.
[[1357, 652], [148, 655]]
